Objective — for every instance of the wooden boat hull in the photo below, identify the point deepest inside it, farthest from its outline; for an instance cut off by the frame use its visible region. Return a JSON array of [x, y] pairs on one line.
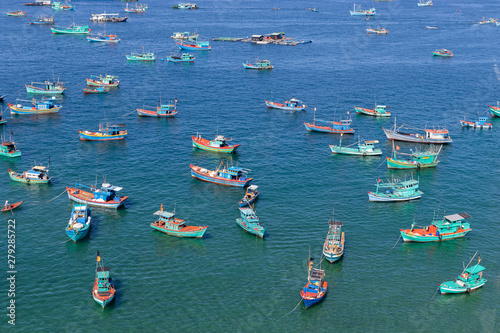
[[179, 60], [13, 154], [101, 84], [354, 151], [112, 41], [194, 47], [200, 145], [17, 14], [325, 129], [495, 111], [281, 106], [134, 58], [409, 236], [194, 232], [30, 111], [392, 198], [371, 112], [219, 180], [11, 207], [474, 125], [69, 32], [309, 300], [36, 90], [97, 136], [18, 178], [332, 257], [258, 231], [391, 135], [148, 113], [443, 55], [76, 235], [244, 202], [399, 164], [87, 198], [94, 91], [104, 298], [452, 288]]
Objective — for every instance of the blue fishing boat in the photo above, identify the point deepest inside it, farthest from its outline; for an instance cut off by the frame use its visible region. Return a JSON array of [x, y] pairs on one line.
[[79, 223], [396, 190], [72, 30], [138, 56], [290, 105], [315, 289], [103, 38], [333, 248], [193, 45], [250, 222], [96, 90], [366, 148], [8, 148], [106, 196], [449, 227], [318, 125], [480, 123], [251, 195], [41, 20], [106, 132], [103, 290], [259, 65], [229, 176], [47, 87], [170, 225], [38, 174], [184, 57], [43, 106], [470, 280]]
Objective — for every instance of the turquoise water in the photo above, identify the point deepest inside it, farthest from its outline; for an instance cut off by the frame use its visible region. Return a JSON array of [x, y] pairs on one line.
[[230, 280]]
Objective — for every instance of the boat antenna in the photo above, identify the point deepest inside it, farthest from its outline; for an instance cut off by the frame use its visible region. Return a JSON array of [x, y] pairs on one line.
[[175, 205], [470, 262], [96, 179]]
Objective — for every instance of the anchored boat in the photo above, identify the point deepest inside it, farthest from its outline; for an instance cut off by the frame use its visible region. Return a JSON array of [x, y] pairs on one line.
[[344, 126], [495, 110], [103, 38], [250, 222], [36, 175], [103, 81], [17, 13], [97, 90], [106, 132], [226, 39], [480, 123], [184, 57], [9, 208], [79, 223], [442, 53], [366, 148], [377, 31], [290, 105], [231, 176], [137, 56], [168, 224], [72, 30], [378, 111], [333, 248], [490, 20], [103, 291], [162, 110], [436, 136], [218, 145], [108, 18], [185, 6], [396, 190], [260, 64], [43, 106], [415, 159], [137, 9], [315, 289], [8, 148], [450, 227], [47, 87], [42, 20], [250, 196], [357, 11], [423, 3], [57, 5], [470, 280], [194, 45], [185, 35], [105, 197]]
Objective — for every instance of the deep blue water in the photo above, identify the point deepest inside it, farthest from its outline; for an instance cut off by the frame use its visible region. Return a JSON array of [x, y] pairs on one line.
[[229, 280]]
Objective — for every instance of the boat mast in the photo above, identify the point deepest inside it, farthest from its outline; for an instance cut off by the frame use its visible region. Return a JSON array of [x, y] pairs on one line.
[[469, 262]]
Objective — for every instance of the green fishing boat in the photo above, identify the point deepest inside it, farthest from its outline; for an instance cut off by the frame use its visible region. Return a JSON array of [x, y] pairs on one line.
[[470, 280], [138, 56], [8, 148], [449, 227], [366, 148], [415, 159], [72, 29], [226, 39], [396, 190]]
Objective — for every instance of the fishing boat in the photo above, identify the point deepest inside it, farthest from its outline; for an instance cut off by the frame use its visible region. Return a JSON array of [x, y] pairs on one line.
[[8, 148], [250, 196], [290, 105], [357, 11], [449, 227], [228, 176], [250, 222], [42, 20], [79, 223], [417, 159], [185, 6], [396, 190], [377, 31], [423, 3], [170, 225], [442, 53], [103, 290], [106, 196], [106, 132], [97, 90], [365, 148], [435, 136], [72, 29], [479, 123], [431, 27], [184, 57], [2, 120], [103, 81], [185, 35], [488, 21], [324, 126], [226, 39], [333, 248], [259, 64], [38, 174], [162, 110], [470, 280], [217, 145], [17, 13], [378, 111], [57, 5], [138, 9], [8, 208], [38, 3], [315, 289], [43, 106], [47, 87], [108, 18], [194, 45], [138, 56], [313, 10], [103, 38]]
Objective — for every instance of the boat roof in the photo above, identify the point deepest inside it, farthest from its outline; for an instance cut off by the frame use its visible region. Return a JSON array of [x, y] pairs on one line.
[[437, 130], [164, 213], [116, 125], [80, 207], [457, 217], [257, 36], [235, 168], [335, 223], [252, 187], [39, 168], [247, 210], [110, 187], [103, 269], [317, 274], [475, 269], [372, 141], [7, 143]]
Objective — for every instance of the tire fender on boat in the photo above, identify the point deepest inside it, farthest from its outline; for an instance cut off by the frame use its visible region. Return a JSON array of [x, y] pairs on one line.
[[27, 180], [418, 165], [469, 290]]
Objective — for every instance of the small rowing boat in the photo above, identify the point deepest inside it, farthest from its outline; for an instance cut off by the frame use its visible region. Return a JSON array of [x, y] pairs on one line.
[[11, 207], [228, 176], [250, 196], [315, 289], [217, 145], [103, 290], [431, 27], [170, 225], [106, 196], [250, 222], [79, 223], [443, 53], [106, 132]]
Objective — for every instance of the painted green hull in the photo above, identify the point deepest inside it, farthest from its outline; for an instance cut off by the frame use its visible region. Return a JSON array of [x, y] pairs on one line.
[[17, 153], [28, 181], [354, 151], [177, 233], [402, 164], [226, 150], [411, 237], [451, 287]]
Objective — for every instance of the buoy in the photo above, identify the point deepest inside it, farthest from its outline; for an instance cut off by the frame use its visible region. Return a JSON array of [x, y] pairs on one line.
[[161, 59]]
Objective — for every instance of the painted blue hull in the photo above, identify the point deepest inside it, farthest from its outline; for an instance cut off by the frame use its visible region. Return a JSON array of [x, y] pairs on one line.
[[332, 258], [95, 203], [259, 232], [190, 48], [75, 236], [103, 303], [311, 302], [219, 180], [246, 203]]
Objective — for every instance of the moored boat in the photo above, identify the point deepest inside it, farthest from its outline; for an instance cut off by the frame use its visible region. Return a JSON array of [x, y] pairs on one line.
[[103, 38], [488, 21], [38, 174], [108, 18], [58, 5], [396, 190], [325, 126], [470, 280], [8, 148], [333, 248], [449, 227], [495, 110], [185, 6], [250, 222], [103, 290], [170, 225], [378, 111], [417, 159], [480, 123], [185, 35], [365, 148], [259, 64], [2, 120], [226, 39], [38, 3], [103, 81], [138, 56], [9, 207], [47, 87], [96, 90], [357, 11], [377, 31], [228, 176], [105, 197], [315, 289], [79, 222], [43, 106], [162, 110], [218, 145], [17, 13], [106, 132], [194, 45], [42, 20], [72, 29], [423, 3], [431, 27], [443, 53], [137, 9], [183, 57], [250, 196], [435, 136], [290, 105]]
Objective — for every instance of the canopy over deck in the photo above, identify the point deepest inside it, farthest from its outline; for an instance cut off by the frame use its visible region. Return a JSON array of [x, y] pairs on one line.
[[457, 217]]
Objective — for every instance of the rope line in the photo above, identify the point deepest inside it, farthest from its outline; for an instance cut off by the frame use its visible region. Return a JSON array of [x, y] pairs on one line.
[[56, 197]]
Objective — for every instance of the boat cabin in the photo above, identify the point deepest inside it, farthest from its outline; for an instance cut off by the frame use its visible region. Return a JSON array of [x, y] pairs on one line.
[[37, 172], [248, 215], [107, 193], [257, 38], [219, 142], [233, 173], [315, 277], [437, 134], [370, 144], [103, 278], [276, 35], [8, 146], [114, 129], [168, 220], [472, 274]]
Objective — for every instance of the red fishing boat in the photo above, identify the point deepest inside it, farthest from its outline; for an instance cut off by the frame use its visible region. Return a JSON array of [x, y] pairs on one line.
[[8, 207], [218, 145]]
